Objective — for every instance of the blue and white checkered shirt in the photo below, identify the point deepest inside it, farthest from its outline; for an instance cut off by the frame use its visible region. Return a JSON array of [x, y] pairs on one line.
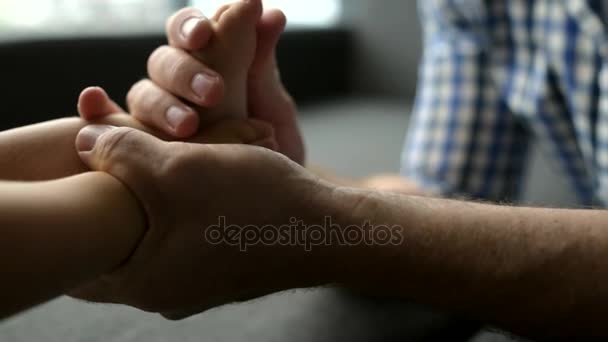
[[496, 73]]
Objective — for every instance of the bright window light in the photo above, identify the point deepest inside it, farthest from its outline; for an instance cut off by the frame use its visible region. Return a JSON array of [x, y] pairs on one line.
[[85, 16], [298, 12], [79, 17]]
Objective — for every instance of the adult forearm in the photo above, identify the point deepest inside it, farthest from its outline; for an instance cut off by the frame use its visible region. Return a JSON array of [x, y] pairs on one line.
[[57, 235], [383, 182], [540, 272]]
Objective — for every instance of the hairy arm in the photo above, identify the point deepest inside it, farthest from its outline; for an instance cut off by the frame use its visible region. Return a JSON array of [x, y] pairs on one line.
[[537, 272], [57, 235], [383, 182]]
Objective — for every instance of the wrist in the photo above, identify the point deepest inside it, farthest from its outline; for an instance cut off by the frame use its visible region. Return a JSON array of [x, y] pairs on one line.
[[332, 244], [111, 220], [372, 239]]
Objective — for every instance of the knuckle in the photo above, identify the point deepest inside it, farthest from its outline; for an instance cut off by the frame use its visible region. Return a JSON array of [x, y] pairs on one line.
[[177, 160], [179, 69], [170, 25], [134, 96], [114, 146], [157, 57], [146, 100], [170, 67], [183, 159]]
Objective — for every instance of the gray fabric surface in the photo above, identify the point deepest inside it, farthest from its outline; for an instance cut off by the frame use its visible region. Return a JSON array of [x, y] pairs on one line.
[[304, 315]]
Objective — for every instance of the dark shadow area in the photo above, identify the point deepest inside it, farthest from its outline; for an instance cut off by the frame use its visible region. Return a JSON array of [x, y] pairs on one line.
[[41, 79]]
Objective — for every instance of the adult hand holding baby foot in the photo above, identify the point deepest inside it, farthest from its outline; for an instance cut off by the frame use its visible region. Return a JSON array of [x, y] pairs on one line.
[[225, 47], [248, 80], [179, 268]]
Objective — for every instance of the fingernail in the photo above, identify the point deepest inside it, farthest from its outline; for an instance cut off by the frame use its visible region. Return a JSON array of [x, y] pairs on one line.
[[176, 116], [87, 137], [190, 24], [202, 84]]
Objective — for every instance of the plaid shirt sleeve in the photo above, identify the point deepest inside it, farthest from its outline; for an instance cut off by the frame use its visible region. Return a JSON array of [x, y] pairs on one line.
[[462, 139]]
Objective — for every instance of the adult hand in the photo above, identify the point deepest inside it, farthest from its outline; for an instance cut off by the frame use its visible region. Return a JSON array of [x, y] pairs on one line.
[[183, 190], [102, 110], [189, 31]]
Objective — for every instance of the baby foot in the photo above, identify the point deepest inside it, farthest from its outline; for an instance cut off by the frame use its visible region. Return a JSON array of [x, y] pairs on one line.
[[230, 53]]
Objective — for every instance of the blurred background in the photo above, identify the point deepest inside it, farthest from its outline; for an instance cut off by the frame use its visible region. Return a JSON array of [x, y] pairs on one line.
[[120, 16], [351, 66]]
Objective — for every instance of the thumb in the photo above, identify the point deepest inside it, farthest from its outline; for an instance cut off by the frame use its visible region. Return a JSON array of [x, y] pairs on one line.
[[94, 103], [120, 151]]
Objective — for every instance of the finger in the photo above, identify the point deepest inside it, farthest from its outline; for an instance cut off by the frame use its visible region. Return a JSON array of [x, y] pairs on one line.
[[159, 109], [238, 131], [130, 155], [179, 73], [188, 29], [269, 29], [94, 103], [135, 158]]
